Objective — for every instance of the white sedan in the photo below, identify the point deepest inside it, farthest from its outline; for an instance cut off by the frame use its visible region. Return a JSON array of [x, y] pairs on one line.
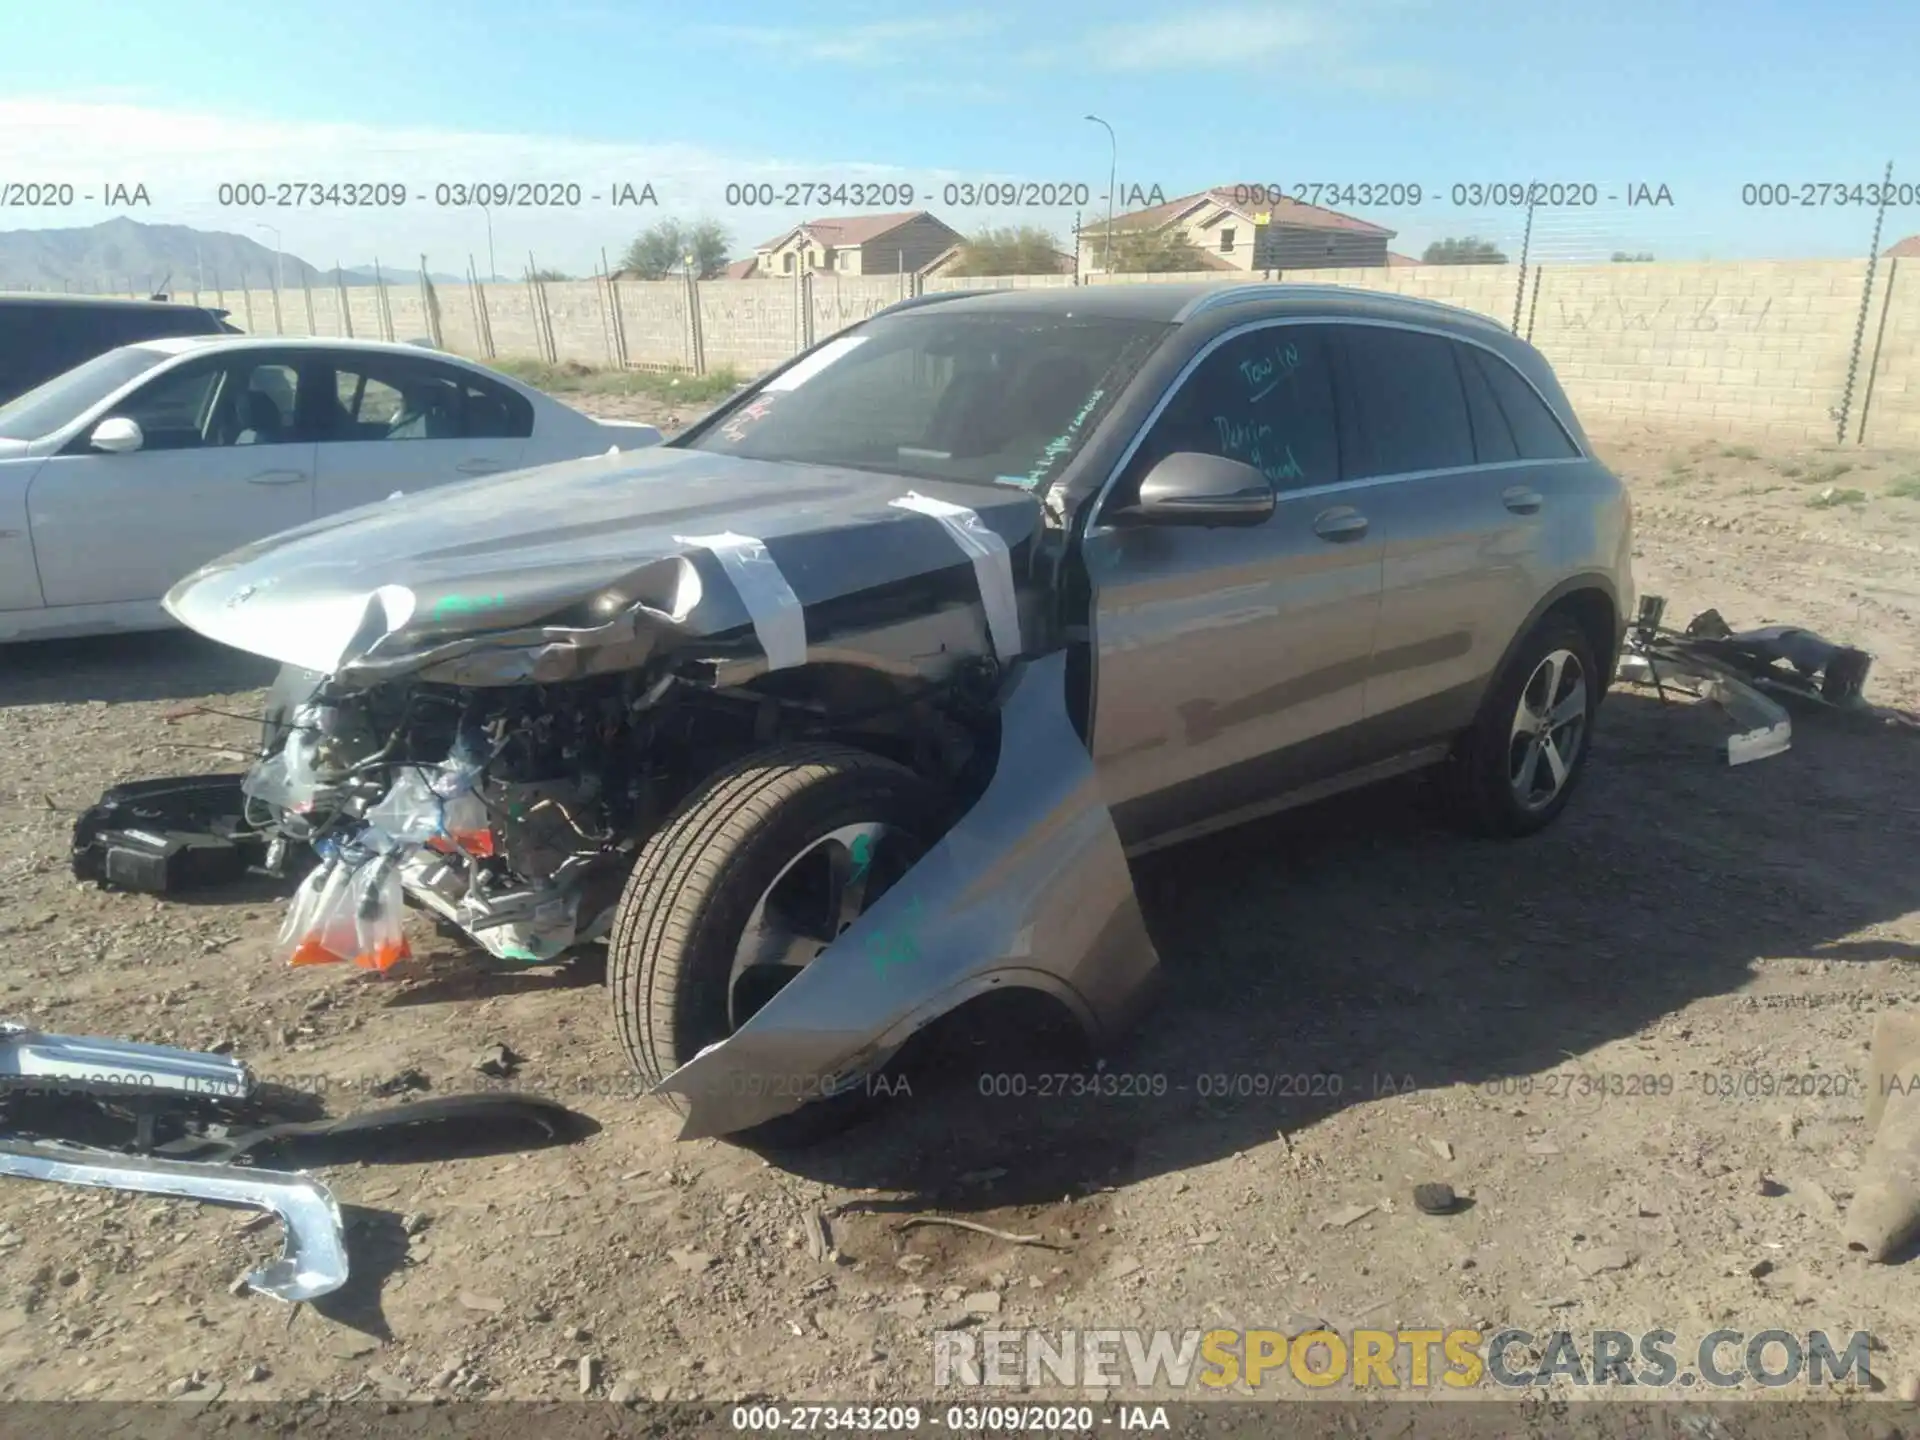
[[136, 468]]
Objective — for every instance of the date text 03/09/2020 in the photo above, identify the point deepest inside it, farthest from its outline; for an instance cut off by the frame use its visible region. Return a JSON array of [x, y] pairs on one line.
[[557, 194], [1467, 195], [1208, 1085]]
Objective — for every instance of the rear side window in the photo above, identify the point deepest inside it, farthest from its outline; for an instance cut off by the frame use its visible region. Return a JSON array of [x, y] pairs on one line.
[[1412, 411], [1535, 430], [382, 400], [1492, 436]]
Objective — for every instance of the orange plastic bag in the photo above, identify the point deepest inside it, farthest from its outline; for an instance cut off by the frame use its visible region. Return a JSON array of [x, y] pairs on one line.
[[347, 913]]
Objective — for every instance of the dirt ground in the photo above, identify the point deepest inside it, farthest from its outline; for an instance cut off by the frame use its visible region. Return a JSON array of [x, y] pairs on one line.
[[1684, 919]]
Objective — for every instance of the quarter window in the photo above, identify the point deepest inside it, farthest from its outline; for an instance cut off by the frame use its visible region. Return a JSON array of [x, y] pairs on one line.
[[1412, 409], [1535, 430], [1264, 397]]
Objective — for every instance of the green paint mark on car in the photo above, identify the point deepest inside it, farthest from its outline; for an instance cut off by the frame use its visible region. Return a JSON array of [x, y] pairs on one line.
[[465, 604]]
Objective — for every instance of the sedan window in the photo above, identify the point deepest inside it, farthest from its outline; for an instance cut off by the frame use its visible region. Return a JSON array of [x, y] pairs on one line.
[[383, 400], [65, 398]]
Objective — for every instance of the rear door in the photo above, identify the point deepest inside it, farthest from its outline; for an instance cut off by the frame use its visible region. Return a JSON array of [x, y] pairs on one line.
[[225, 461], [1449, 497], [405, 423], [1231, 662]]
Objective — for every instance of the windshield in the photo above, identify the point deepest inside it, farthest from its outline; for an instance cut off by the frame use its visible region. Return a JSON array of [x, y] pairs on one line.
[[1001, 398], [47, 407]]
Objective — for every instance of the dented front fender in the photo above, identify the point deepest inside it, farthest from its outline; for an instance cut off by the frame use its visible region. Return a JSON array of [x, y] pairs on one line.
[[1029, 889]]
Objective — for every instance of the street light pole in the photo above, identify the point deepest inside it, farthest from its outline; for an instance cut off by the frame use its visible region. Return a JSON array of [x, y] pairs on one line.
[[1113, 170]]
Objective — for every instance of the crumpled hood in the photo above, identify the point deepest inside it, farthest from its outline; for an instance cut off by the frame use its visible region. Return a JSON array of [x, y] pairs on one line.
[[566, 548]]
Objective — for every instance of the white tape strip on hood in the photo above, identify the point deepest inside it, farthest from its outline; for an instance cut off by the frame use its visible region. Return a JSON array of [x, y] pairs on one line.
[[778, 620], [992, 566]]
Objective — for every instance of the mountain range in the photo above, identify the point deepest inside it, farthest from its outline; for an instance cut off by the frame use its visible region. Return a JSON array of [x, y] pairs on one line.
[[119, 256]]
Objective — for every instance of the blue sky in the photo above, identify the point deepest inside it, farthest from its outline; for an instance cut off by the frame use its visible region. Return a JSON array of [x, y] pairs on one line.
[[1700, 97]]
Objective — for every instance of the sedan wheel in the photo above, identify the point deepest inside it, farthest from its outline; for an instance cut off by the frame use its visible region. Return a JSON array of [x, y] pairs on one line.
[[1549, 729]]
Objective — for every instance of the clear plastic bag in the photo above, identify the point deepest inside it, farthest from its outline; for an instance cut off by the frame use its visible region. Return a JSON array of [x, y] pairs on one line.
[[287, 779], [437, 808], [347, 911]]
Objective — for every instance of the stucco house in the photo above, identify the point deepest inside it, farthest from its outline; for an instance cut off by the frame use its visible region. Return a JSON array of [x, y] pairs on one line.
[[1237, 227], [853, 245]]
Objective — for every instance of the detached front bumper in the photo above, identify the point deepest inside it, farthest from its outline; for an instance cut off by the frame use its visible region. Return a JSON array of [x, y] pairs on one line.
[[1029, 890]]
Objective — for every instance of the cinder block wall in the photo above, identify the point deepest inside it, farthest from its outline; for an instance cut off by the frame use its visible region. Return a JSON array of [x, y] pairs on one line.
[[1757, 350]]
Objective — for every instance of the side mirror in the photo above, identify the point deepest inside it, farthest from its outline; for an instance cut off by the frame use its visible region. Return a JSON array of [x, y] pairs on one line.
[[1190, 488], [117, 435]]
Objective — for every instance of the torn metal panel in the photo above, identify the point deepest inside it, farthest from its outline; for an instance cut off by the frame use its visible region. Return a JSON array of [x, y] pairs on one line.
[[1766, 728], [574, 569], [1030, 888], [314, 1260], [89, 1063]]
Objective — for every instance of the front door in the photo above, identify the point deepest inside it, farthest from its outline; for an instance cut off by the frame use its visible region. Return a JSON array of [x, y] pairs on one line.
[[224, 462], [1230, 663]]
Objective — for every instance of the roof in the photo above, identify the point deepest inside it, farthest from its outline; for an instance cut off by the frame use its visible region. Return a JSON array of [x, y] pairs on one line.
[[852, 229], [185, 344], [104, 302], [741, 269], [1235, 199], [1171, 303], [1902, 249], [1394, 257]]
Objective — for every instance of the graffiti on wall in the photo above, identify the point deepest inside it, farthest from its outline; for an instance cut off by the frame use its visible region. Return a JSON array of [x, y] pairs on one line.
[[1738, 314]]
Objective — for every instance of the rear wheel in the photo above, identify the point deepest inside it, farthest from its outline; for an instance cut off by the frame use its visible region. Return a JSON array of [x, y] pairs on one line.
[[1517, 768], [756, 874]]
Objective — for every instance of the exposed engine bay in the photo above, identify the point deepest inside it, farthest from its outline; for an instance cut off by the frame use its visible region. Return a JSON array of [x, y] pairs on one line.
[[515, 813]]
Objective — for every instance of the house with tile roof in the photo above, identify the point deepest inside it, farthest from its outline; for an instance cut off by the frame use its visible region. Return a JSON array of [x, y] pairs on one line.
[[908, 241], [1240, 227], [1908, 248]]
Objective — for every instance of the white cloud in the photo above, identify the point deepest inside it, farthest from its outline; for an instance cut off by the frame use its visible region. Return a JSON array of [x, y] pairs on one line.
[[1229, 39], [880, 42]]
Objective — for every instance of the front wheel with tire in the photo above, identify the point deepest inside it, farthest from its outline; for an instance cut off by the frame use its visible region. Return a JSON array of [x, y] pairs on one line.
[[1517, 768], [756, 874]]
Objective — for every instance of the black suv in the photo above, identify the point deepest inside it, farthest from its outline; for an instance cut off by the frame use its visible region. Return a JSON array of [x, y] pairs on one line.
[[42, 336]]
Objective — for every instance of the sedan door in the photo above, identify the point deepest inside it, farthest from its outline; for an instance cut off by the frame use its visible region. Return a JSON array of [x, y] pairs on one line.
[[1231, 662], [223, 461], [400, 423]]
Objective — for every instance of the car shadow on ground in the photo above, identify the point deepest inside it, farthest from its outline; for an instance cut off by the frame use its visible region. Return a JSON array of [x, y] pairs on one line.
[[150, 665], [1360, 947]]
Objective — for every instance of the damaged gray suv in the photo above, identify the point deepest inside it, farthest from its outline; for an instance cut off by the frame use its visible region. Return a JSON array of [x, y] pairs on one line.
[[849, 705]]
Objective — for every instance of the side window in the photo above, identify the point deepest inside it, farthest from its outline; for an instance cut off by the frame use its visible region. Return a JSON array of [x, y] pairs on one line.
[[173, 411], [496, 413], [1492, 436], [1413, 412], [1535, 430], [1265, 398], [261, 407], [419, 402]]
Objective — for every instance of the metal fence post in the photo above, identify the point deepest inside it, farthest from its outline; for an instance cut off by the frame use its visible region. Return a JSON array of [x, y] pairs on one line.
[[696, 328], [306, 288], [246, 298], [343, 299], [1866, 299], [1526, 243], [380, 299], [431, 303], [1879, 336], [1533, 305]]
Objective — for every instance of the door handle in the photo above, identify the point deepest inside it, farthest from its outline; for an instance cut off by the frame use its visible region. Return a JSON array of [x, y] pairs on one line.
[[1340, 523], [1520, 500], [278, 477], [479, 467]]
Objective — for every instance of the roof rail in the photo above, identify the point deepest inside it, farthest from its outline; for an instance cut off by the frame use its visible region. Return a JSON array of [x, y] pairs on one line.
[[1281, 290]]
